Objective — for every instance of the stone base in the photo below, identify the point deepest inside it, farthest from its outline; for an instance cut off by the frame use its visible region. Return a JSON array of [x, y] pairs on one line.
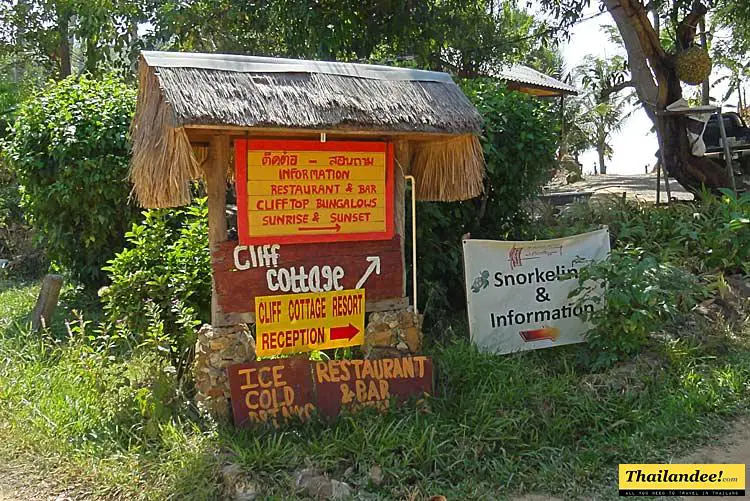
[[216, 349], [393, 333]]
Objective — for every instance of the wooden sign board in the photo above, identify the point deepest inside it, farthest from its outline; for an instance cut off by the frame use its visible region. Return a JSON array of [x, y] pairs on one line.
[[297, 323], [242, 272], [293, 191], [276, 391]]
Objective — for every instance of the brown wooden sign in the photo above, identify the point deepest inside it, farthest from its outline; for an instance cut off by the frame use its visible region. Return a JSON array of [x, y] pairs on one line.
[[242, 272], [276, 391]]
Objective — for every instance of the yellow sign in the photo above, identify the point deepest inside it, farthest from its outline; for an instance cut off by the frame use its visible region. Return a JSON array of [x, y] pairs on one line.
[[296, 323], [682, 479], [306, 191]]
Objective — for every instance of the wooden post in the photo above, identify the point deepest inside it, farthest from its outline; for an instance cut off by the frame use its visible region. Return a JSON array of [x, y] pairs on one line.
[[401, 168], [46, 302], [216, 189], [727, 151], [666, 184], [658, 181]]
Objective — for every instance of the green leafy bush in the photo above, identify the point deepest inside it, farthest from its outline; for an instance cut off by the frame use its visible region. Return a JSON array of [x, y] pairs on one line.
[[16, 238], [161, 283], [519, 142], [69, 148], [640, 295], [707, 236]]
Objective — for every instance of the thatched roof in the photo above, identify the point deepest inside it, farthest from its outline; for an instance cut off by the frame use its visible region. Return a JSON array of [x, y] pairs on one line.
[[179, 91]]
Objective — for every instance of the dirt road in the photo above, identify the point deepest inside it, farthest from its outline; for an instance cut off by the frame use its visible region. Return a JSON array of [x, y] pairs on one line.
[[734, 448], [642, 187]]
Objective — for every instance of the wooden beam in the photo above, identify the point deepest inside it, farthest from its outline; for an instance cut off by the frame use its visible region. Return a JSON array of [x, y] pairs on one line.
[[402, 166], [46, 302], [216, 189], [204, 133]]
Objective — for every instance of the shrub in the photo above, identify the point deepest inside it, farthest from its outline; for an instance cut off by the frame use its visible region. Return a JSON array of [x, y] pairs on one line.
[[161, 283], [519, 142], [712, 235], [16, 238], [69, 148], [640, 295]]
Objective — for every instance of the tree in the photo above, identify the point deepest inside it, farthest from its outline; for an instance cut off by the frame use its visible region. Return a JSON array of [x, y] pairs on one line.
[[467, 38], [652, 70], [70, 152], [575, 139], [92, 36]]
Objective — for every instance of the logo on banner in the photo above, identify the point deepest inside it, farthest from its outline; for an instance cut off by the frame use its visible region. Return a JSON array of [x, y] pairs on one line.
[[481, 282]]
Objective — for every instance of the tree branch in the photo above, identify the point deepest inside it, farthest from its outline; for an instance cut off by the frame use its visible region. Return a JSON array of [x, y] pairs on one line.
[[606, 92], [640, 51]]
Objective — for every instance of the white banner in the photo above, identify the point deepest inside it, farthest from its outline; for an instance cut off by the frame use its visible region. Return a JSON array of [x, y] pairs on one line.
[[517, 292]]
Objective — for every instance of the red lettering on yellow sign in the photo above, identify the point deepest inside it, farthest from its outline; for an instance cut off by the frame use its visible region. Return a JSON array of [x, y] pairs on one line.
[[295, 323], [306, 191]]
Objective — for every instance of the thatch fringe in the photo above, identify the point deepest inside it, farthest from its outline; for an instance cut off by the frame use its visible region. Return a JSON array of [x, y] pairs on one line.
[[315, 101], [449, 170], [163, 162]]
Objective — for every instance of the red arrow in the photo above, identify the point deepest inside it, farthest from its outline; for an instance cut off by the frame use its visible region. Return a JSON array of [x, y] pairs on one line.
[[550, 333], [336, 228], [345, 332]]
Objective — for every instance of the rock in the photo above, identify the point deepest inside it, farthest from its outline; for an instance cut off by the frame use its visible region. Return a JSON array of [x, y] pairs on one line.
[[313, 483], [237, 485], [218, 344], [246, 491], [341, 490], [381, 338], [216, 349], [215, 392], [376, 475], [380, 352], [413, 339], [215, 359], [402, 347], [230, 473]]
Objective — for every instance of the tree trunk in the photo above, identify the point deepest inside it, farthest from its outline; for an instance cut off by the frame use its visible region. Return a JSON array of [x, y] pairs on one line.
[[63, 48], [91, 55], [602, 167], [706, 86], [657, 86]]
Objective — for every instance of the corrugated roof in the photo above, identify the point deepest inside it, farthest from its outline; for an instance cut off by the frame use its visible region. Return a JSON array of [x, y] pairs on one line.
[[526, 76], [259, 64]]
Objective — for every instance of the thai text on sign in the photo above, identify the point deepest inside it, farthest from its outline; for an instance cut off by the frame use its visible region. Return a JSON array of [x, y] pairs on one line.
[[292, 191], [296, 323], [279, 390]]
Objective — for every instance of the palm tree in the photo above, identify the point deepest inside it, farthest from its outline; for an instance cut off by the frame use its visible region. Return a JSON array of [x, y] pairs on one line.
[[605, 110]]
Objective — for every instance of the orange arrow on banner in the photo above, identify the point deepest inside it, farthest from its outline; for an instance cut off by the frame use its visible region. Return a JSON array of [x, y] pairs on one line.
[[551, 333], [345, 332]]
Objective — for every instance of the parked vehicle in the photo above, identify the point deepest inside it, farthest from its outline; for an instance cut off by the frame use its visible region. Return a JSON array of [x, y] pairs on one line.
[[736, 129]]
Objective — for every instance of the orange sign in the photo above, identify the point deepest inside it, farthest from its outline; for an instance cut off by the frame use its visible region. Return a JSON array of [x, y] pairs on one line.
[[307, 191]]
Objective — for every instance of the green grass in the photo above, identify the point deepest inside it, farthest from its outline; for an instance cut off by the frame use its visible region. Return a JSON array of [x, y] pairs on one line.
[[532, 422], [87, 412]]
